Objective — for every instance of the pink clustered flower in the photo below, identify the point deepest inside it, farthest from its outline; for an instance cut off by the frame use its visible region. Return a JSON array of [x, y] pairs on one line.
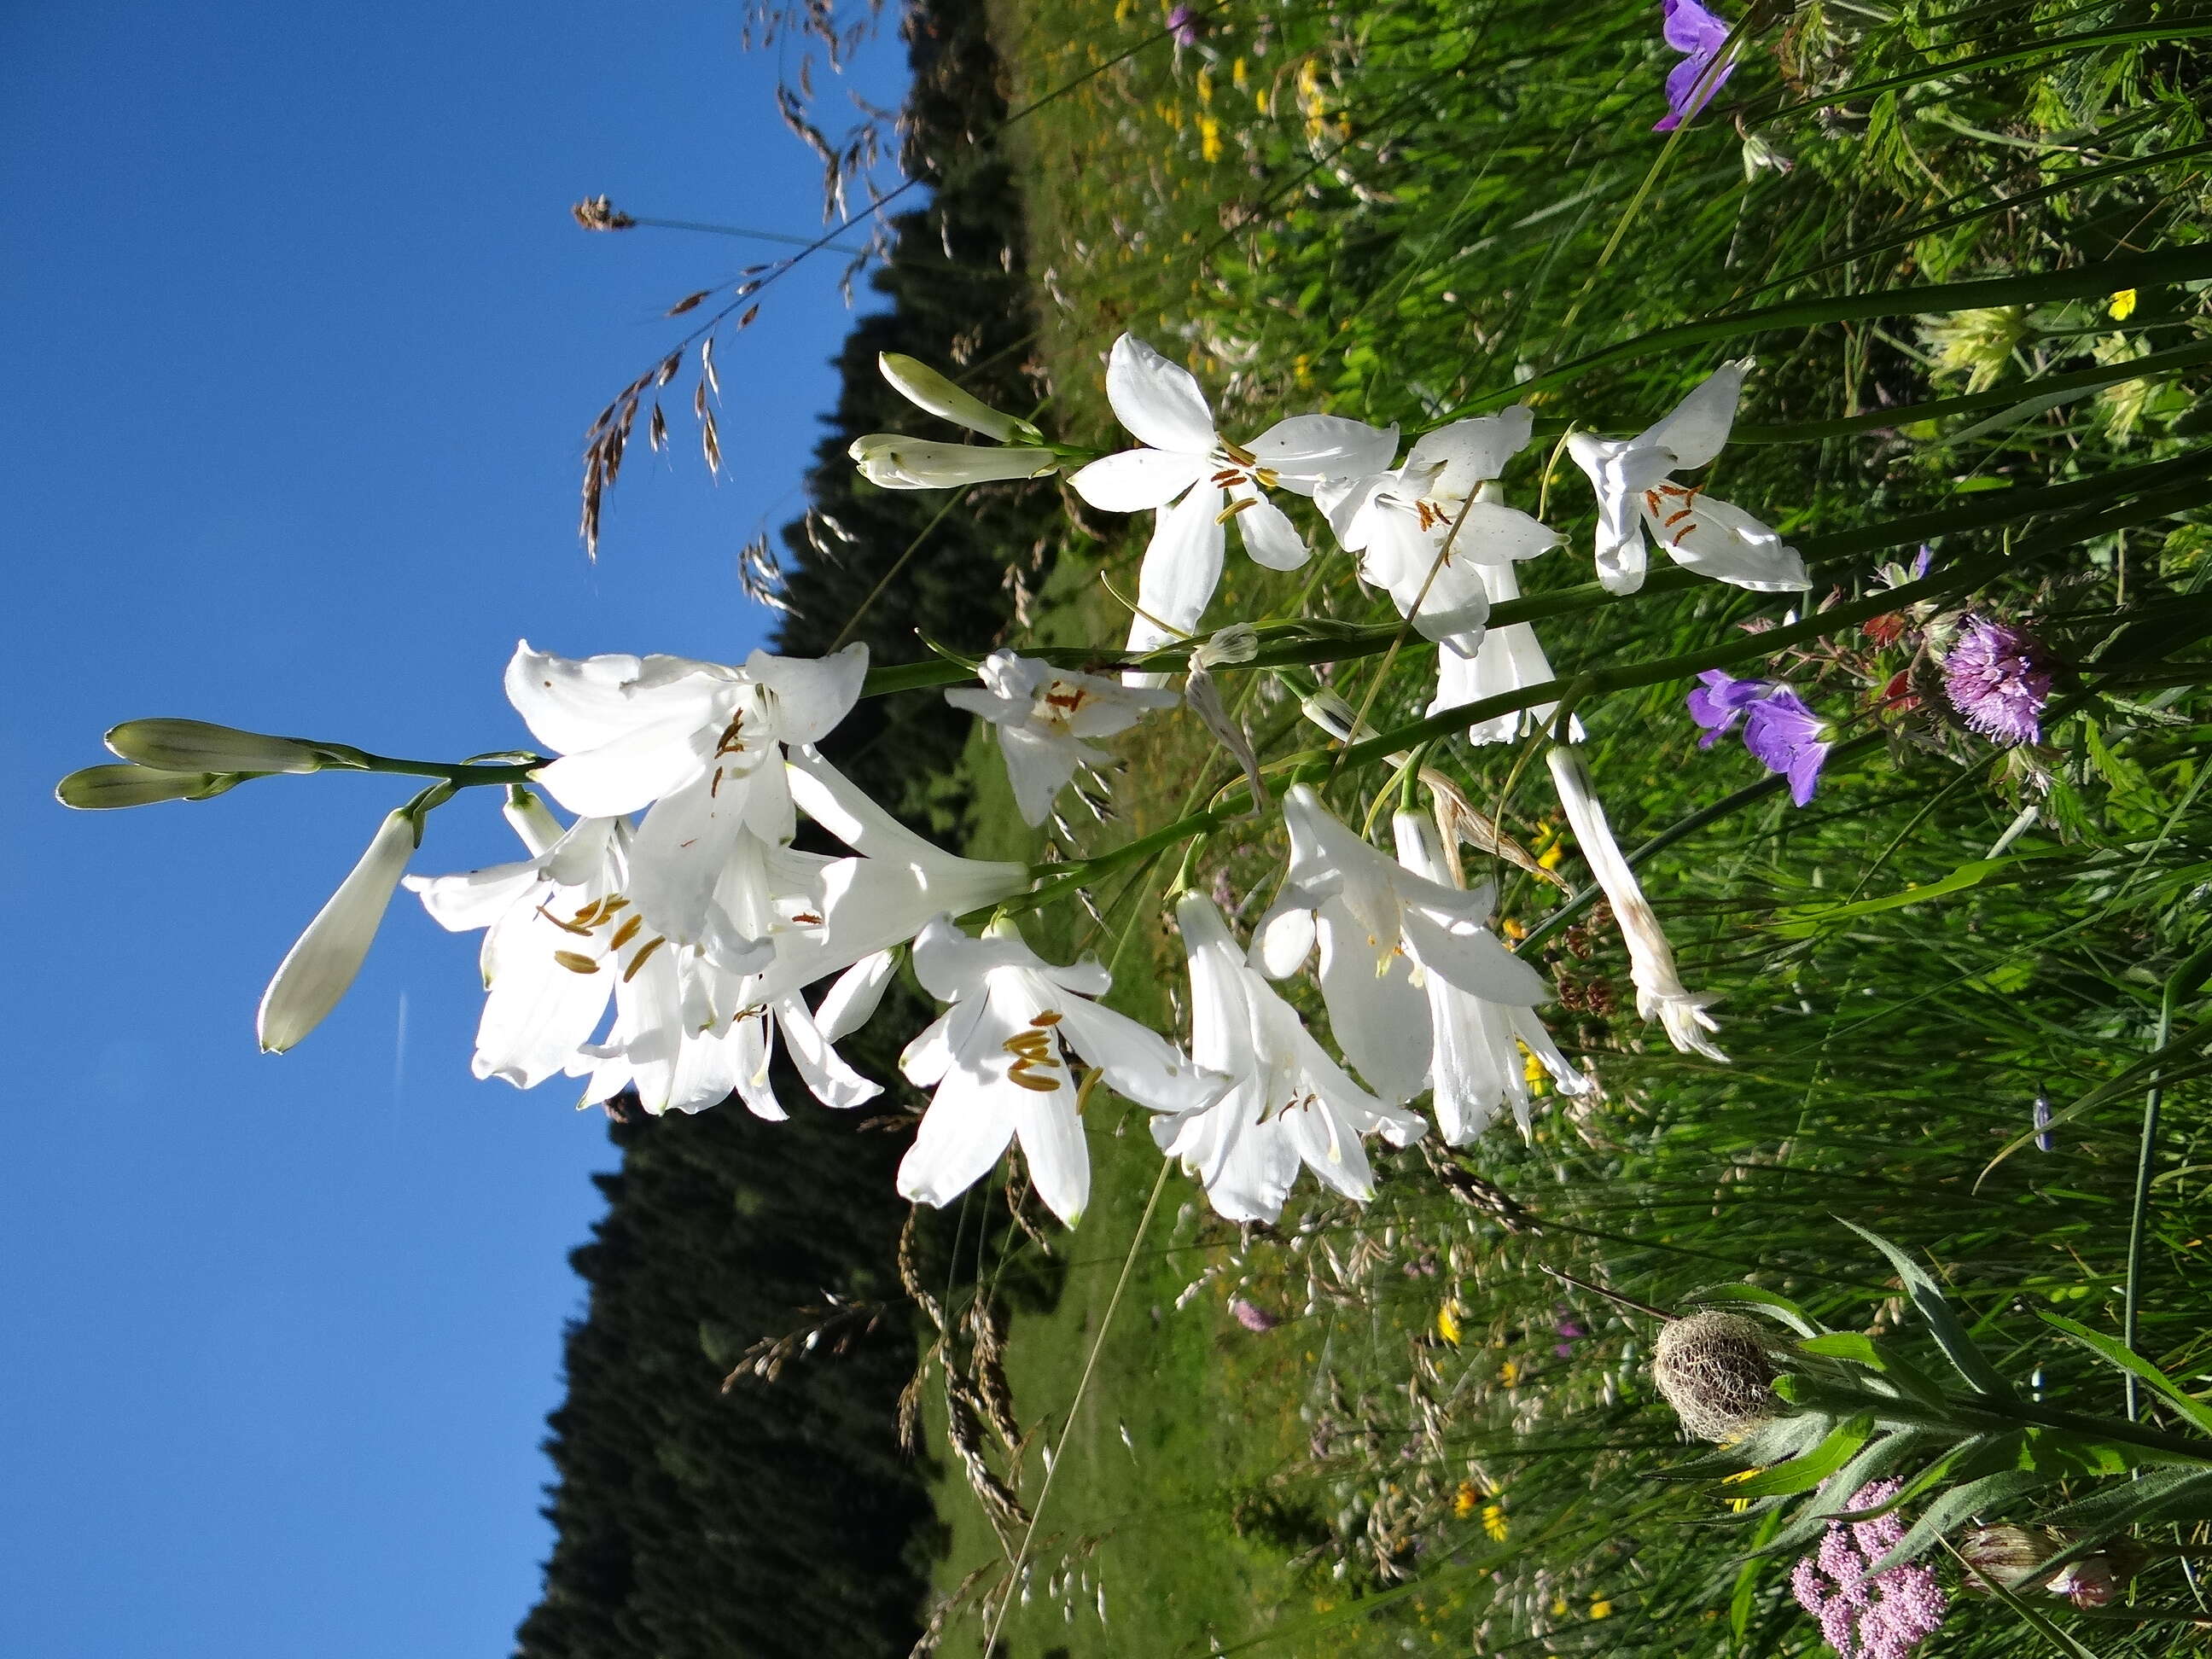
[[1998, 680], [1885, 1617], [1251, 1316]]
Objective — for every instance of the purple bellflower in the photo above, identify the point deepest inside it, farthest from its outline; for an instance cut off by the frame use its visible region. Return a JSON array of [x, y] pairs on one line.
[[1691, 29], [1998, 680], [1781, 733], [1182, 24]]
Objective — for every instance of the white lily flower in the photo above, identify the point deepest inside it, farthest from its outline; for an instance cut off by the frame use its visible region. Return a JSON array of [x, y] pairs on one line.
[[1510, 658], [699, 747], [891, 460], [688, 1033], [1636, 491], [875, 901], [1385, 931], [563, 938], [998, 1059], [1044, 718], [1216, 479], [1287, 1104], [319, 968], [1659, 994], [1475, 1069], [1400, 523]]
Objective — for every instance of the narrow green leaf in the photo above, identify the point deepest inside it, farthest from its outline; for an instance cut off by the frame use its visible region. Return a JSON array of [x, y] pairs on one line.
[[2113, 1353], [1990, 1493], [1779, 1307], [1803, 924], [1801, 1473], [1950, 1335]]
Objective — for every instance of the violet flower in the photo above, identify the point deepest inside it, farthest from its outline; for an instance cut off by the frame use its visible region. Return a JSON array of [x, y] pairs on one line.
[[1885, 1617], [1182, 24], [1779, 730], [1689, 28], [1998, 680], [1252, 1316]]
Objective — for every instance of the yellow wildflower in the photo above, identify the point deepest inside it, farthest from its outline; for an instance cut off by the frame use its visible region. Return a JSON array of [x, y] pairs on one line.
[[1512, 929], [1509, 1375], [1123, 9], [1739, 1504], [2123, 305], [1558, 1607], [1465, 1499], [1599, 1608], [1209, 139], [1493, 1522], [1259, 101], [1448, 1321], [1205, 86], [1236, 75]]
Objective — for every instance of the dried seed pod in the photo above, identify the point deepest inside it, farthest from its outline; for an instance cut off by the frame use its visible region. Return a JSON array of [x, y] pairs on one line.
[[1714, 1370]]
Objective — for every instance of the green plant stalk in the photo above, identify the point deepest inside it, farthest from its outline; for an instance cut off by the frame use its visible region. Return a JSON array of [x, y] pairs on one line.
[[2178, 984], [1294, 643], [461, 775], [2171, 266]]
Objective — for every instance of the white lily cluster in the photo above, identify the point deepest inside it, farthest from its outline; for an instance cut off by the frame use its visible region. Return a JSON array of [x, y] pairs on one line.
[[667, 940]]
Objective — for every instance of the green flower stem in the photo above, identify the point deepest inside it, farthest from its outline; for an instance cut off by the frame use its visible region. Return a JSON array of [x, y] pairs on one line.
[[461, 775], [2178, 984], [1289, 644]]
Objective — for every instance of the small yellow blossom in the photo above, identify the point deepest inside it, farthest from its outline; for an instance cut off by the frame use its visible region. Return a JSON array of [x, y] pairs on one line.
[[1236, 75], [1209, 139], [1493, 1522], [1466, 1498], [1599, 1608], [1558, 1607], [1259, 101], [1509, 1375], [1123, 9], [2123, 305], [1512, 929], [1205, 86], [1739, 1504], [1448, 1321]]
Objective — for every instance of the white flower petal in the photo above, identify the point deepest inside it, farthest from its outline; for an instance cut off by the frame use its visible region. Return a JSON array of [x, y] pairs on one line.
[[573, 704], [1269, 536], [1181, 568], [1466, 453], [1475, 960], [812, 693], [1138, 1063], [1494, 534], [851, 1002], [1050, 1130], [1132, 480], [1308, 449], [820, 1067], [1698, 427], [629, 773], [1380, 1019], [1721, 540], [964, 1131], [1158, 401]]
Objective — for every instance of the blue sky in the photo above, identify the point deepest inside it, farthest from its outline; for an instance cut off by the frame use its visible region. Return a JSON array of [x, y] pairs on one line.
[[301, 341]]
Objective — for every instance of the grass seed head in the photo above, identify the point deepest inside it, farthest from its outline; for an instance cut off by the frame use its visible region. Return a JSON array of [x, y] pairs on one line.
[[1714, 1370]]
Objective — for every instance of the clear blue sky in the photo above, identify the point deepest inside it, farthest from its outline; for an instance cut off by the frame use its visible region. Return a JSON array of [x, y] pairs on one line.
[[299, 341]]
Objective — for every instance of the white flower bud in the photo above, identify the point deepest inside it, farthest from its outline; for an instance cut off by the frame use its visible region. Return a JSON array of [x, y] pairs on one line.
[[892, 461], [922, 385], [197, 747], [96, 788], [317, 971]]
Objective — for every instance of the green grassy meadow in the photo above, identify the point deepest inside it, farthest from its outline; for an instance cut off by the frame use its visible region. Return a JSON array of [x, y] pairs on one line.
[[1413, 210]]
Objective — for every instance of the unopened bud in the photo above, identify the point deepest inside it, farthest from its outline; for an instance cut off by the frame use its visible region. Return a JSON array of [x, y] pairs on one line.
[[2004, 1555], [891, 461], [97, 788], [922, 385], [317, 971], [197, 746]]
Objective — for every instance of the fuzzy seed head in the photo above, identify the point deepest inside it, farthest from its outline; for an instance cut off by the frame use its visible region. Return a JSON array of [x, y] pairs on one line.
[[1713, 1368]]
